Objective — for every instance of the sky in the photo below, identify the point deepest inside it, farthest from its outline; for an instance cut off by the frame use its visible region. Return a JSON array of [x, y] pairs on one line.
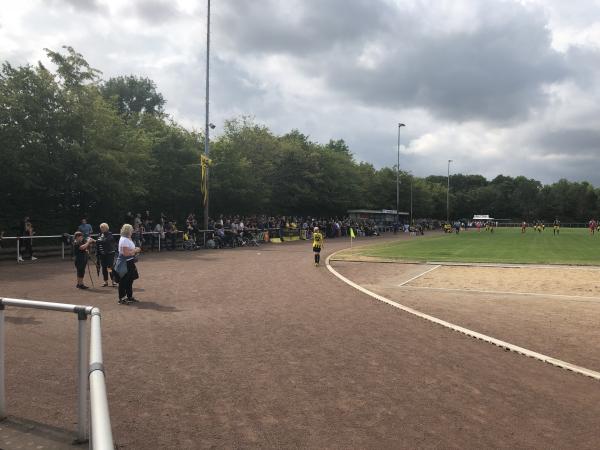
[[497, 86]]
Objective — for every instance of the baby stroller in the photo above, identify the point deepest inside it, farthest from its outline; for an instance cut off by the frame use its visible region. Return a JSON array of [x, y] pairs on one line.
[[189, 243], [249, 240]]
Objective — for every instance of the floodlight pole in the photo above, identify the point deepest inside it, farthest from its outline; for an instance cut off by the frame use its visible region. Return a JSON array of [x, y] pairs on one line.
[[448, 195], [206, 128], [400, 125], [411, 199]]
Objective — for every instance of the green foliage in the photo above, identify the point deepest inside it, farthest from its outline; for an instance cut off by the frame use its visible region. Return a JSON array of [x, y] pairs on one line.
[[72, 145], [133, 95]]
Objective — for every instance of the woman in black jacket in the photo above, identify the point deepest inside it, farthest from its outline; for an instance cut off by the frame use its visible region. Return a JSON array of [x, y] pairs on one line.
[[105, 253], [80, 250]]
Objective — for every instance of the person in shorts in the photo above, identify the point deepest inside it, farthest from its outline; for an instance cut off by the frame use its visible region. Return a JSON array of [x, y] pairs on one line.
[[556, 227], [80, 250], [317, 245]]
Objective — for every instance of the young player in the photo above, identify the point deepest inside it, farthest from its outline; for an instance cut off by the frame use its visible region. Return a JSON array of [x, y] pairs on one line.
[[556, 227], [317, 245], [523, 227]]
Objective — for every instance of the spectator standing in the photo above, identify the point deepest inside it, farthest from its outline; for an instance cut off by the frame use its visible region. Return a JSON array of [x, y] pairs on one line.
[[128, 252], [28, 241], [85, 228], [282, 226], [20, 234], [80, 250], [158, 235], [105, 253]]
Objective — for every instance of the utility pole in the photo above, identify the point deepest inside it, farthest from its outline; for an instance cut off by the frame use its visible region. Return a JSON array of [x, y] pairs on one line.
[[400, 125], [448, 195], [206, 128]]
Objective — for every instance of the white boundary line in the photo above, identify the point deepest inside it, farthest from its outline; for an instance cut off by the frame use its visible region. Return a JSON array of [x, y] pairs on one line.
[[420, 275], [477, 291], [513, 266], [497, 342]]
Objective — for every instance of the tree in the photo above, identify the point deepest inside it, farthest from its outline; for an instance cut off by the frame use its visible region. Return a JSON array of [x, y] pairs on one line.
[[134, 95]]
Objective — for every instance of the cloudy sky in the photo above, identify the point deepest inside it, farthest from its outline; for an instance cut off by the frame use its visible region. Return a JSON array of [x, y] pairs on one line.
[[498, 86]]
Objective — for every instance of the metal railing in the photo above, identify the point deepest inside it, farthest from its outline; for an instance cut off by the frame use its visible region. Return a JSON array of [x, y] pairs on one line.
[[163, 239], [101, 432]]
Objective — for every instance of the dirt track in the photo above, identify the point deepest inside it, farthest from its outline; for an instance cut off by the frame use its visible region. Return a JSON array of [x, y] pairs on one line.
[[258, 348]]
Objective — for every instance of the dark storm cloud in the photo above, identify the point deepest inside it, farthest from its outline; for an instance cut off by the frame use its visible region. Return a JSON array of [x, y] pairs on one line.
[[156, 11], [494, 71], [298, 28], [575, 142]]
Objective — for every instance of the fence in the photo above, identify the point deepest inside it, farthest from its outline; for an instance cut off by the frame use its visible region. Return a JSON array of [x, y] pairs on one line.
[[55, 245], [101, 433]]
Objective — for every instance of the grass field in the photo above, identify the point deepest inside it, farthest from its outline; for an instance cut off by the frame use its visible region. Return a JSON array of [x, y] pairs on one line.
[[505, 245]]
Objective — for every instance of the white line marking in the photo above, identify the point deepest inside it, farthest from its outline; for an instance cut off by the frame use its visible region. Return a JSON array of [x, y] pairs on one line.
[[466, 331], [418, 276], [514, 266], [500, 292]]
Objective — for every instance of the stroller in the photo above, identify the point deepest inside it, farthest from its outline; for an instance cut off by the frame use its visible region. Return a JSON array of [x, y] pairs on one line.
[[189, 243], [248, 239]]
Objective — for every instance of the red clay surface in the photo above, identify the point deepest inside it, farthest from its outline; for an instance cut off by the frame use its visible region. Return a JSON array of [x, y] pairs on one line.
[[259, 348]]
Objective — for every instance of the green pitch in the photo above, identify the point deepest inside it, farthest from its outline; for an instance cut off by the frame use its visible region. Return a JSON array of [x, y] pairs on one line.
[[505, 245]]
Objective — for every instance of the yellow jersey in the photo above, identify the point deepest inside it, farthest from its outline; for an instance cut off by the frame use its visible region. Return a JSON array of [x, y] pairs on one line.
[[317, 240]]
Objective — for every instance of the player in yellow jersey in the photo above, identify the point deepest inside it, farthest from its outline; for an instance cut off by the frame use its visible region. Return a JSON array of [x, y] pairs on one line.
[[317, 245]]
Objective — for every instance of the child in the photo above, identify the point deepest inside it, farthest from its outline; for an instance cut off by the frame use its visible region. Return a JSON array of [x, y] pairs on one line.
[[317, 245]]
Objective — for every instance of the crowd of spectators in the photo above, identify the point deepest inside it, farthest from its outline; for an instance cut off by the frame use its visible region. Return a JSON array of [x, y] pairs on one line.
[[150, 231], [230, 230]]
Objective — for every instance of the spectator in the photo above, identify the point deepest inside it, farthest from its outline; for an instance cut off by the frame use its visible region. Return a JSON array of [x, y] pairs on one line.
[[105, 253], [28, 241], [127, 252], [171, 235], [158, 235], [80, 250], [85, 228]]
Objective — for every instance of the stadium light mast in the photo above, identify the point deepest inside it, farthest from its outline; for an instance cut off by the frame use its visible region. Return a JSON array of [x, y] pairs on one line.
[[400, 125], [207, 123], [411, 199], [448, 195]]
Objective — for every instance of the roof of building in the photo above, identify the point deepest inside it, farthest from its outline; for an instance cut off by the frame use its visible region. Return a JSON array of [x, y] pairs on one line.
[[377, 211]]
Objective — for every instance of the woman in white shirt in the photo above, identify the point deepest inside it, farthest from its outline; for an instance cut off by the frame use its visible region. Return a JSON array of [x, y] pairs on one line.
[[127, 251]]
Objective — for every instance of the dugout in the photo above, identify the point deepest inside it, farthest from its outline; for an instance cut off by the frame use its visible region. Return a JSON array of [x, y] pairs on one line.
[[381, 217]]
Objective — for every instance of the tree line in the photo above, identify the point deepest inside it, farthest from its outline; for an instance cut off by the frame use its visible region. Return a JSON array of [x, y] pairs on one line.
[[73, 145]]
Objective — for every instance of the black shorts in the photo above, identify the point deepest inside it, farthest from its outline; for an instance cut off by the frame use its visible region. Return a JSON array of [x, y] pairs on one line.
[[317, 249], [80, 271]]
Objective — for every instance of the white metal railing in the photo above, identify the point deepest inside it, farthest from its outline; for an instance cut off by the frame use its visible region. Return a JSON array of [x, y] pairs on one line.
[[93, 371]]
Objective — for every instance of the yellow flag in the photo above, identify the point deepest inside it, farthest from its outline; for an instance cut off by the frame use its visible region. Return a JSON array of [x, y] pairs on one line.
[[204, 163], [352, 236]]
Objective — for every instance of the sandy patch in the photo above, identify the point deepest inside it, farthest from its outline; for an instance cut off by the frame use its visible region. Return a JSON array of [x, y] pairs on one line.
[[581, 282]]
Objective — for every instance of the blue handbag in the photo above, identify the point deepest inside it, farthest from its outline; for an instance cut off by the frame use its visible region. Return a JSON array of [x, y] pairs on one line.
[[120, 266]]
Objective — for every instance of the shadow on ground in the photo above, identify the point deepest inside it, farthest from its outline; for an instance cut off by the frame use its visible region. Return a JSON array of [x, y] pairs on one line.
[[16, 432]]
